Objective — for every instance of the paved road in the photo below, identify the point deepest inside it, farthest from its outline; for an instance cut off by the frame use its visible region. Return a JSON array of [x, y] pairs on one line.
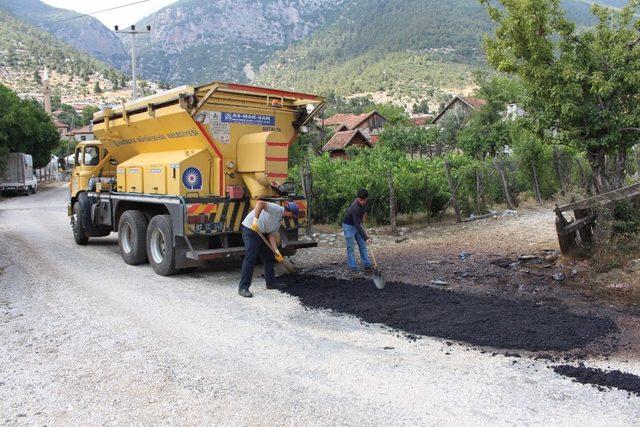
[[87, 339]]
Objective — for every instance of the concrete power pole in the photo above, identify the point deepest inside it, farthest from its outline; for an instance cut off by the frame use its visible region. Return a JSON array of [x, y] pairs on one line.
[[133, 32]]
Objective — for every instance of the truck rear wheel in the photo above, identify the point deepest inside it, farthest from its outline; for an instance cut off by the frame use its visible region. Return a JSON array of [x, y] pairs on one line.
[[132, 236], [79, 234], [160, 245]]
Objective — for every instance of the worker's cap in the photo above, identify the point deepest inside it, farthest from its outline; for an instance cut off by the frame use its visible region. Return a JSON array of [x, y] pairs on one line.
[[292, 207]]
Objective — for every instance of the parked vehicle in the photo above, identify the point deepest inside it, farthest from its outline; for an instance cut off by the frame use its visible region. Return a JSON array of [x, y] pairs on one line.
[[174, 174], [18, 176]]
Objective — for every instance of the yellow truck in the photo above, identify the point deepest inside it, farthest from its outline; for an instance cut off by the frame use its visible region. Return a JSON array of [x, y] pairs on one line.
[[174, 174]]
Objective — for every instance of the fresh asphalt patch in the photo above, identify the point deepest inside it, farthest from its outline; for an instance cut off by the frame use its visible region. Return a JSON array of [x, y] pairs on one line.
[[600, 378], [475, 319]]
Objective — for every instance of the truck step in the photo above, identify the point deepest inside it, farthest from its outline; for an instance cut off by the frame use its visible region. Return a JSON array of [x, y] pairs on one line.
[[208, 254], [214, 253]]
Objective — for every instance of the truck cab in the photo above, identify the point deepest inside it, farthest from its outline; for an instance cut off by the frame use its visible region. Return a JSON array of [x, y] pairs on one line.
[[87, 156]]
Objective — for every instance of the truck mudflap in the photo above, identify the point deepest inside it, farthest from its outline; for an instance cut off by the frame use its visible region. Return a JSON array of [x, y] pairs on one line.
[[210, 254]]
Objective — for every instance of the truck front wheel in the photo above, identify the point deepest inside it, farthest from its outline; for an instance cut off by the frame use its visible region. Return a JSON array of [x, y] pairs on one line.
[[160, 245], [132, 234], [79, 234]]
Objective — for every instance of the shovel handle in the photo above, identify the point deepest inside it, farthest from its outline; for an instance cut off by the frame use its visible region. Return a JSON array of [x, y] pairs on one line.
[[286, 264], [373, 256]]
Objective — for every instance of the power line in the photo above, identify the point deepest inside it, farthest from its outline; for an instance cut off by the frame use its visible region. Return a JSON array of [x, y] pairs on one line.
[[99, 11]]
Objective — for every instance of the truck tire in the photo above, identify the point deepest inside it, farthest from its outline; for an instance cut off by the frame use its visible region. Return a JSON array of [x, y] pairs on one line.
[[132, 237], [160, 245], [33, 190], [85, 209], [79, 234]]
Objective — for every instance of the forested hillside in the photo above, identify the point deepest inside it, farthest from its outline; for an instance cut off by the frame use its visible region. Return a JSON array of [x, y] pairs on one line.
[[401, 47], [86, 34], [25, 51]]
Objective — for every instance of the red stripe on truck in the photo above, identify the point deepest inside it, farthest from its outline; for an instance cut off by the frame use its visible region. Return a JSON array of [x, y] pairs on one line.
[[277, 159], [218, 153], [277, 144]]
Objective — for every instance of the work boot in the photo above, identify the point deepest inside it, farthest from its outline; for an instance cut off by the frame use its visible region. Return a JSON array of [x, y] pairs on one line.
[[369, 269], [276, 285], [354, 274], [245, 293]]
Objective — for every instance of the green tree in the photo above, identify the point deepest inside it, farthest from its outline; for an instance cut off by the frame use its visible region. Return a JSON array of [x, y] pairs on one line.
[[25, 128], [36, 77], [408, 139], [69, 116], [97, 88], [487, 131], [582, 86], [394, 114], [87, 114], [421, 107]]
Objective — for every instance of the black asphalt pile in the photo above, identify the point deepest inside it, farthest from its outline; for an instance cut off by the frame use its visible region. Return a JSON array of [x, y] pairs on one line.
[[478, 320], [600, 378]]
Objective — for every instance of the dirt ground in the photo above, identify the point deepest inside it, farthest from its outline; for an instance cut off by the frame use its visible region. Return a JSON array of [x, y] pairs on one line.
[[513, 256]]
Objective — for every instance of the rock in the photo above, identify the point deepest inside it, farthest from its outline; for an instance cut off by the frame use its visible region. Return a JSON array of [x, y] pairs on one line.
[[633, 265], [559, 276], [619, 286], [510, 212], [438, 282], [464, 255], [573, 273]]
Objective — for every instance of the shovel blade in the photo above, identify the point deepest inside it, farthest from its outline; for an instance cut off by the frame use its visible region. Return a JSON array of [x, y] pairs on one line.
[[378, 279]]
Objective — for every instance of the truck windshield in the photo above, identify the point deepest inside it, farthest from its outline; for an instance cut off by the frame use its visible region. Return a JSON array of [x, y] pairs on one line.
[[91, 155], [77, 158]]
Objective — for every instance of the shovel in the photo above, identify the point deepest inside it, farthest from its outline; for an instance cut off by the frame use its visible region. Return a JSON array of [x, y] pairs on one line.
[[285, 262], [378, 279]]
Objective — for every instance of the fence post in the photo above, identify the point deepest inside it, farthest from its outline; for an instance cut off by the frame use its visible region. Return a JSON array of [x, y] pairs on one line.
[[505, 186], [452, 189], [393, 204], [305, 176]]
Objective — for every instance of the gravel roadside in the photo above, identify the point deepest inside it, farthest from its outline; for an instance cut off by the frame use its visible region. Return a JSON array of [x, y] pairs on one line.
[[86, 339]]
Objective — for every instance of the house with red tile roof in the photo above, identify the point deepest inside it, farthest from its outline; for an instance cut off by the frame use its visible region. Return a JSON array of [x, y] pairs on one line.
[[340, 140], [370, 124], [460, 107], [422, 121], [62, 128], [83, 134]]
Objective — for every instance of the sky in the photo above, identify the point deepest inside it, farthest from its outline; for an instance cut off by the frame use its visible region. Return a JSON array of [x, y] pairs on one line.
[[124, 16]]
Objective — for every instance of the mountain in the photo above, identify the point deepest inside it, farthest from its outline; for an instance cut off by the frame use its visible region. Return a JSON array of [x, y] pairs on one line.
[[86, 34], [394, 48], [200, 40], [24, 52]]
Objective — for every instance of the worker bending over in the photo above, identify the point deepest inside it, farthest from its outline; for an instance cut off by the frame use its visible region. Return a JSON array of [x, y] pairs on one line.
[[354, 233], [264, 218]]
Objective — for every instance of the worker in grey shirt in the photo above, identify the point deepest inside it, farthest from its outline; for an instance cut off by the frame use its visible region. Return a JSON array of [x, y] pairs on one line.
[[264, 218]]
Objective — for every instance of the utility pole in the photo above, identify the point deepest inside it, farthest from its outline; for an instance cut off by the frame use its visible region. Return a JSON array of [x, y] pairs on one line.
[[133, 32]]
